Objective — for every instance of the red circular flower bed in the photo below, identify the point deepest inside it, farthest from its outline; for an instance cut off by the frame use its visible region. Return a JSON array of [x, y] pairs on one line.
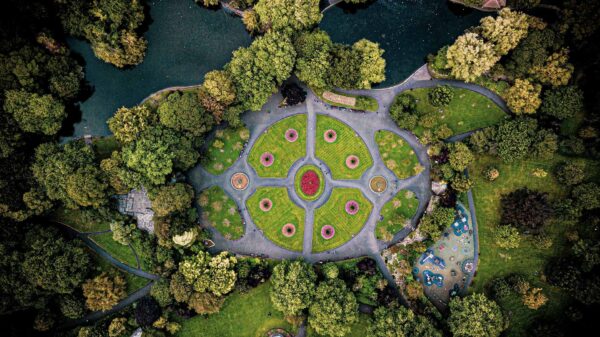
[[309, 183]]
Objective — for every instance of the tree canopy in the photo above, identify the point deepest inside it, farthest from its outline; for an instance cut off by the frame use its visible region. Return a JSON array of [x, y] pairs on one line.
[[475, 316], [400, 322], [183, 112], [334, 309], [35, 113], [288, 15], [293, 287]]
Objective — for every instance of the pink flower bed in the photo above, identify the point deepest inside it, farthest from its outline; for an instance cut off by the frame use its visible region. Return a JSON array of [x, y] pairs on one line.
[[291, 135], [265, 205], [352, 162], [267, 159], [352, 207], [327, 232], [288, 230], [309, 183], [330, 136]]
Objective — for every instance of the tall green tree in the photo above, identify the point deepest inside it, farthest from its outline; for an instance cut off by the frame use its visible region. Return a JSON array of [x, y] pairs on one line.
[[183, 112], [314, 58], [127, 123], [293, 287], [172, 198], [470, 57], [475, 316], [506, 30], [288, 15], [400, 322], [562, 102], [334, 309], [35, 113], [206, 273]]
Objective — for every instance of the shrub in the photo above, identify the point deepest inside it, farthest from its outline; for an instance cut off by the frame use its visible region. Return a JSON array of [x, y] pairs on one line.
[[526, 209], [403, 111], [147, 311], [507, 237], [441, 95], [491, 173], [330, 270], [571, 173], [103, 291]]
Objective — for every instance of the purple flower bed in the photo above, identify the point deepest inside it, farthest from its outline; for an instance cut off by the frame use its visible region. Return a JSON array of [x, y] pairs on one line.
[[330, 136], [267, 159], [265, 205], [288, 230], [352, 162], [327, 232], [291, 135], [352, 207]]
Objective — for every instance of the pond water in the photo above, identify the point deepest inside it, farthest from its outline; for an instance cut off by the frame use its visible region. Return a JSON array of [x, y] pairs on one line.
[[407, 30], [185, 41]]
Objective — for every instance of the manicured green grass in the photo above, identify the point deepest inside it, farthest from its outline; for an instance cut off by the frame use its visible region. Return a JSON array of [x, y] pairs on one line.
[[243, 315], [283, 211], [285, 153], [498, 87], [364, 103], [333, 213], [467, 111], [397, 154], [529, 258], [298, 181], [570, 126], [334, 154], [396, 213], [225, 149], [221, 212], [120, 252], [358, 329], [77, 220], [134, 282]]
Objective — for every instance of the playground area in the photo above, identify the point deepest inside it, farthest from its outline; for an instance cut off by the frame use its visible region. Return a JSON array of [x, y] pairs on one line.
[[447, 267]]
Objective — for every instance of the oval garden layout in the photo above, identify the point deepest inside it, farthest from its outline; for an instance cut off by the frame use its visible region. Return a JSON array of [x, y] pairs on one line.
[[310, 183]]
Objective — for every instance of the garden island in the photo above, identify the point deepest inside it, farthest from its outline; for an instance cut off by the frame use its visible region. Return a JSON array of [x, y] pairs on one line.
[[331, 168]]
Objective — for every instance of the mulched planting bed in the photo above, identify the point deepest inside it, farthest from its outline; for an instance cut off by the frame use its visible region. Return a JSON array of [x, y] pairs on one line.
[[309, 182]]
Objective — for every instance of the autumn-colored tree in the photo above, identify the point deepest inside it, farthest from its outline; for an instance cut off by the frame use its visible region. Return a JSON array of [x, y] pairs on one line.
[[172, 198], [128, 123], [506, 30], [556, 71], [35, 113], [470, 57], [523, 97], [104, 291]]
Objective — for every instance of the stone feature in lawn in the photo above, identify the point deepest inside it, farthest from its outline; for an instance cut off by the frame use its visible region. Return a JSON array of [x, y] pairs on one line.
[[327, 232], [239, 181], [330, 136], [288, 230], [267, 159], [266, 205], [352, 162], [309, 182], [291, 135], [378, 184]]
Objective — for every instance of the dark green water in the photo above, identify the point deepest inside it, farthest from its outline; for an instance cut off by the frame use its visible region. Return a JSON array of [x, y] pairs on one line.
[[185, 41], [408, 30]]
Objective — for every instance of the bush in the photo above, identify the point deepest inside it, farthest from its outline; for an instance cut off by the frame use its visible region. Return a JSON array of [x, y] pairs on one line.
[[526, 209], [491, 173], [160, 292], [403, 111], [330, 270], [571, 173], [507, 237], [147, 311], [441, 95]]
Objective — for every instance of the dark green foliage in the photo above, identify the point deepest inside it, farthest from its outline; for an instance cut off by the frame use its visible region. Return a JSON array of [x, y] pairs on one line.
[[587, 196], [441, 95], [147, 311], [533, 51], [403, 111], [514, 138], [71, 307], [314, 58], [433, 224], [183, 112], [526, 209], [401, 322], [562, 102], [35, 113], [475, 316], [571, 172], [334, 309]]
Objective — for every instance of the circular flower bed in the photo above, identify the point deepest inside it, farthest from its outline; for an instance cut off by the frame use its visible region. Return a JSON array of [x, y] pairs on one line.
[[327, 232], [288, 230], [239, 181], [291, 135], [330, 136], [352, 162], [266, 204], [309, 183], [351, 207], [267, 159], [378, 184]]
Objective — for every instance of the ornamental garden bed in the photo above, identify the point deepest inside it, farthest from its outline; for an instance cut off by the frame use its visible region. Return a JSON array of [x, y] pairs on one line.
[[341, 217], [397, 154], [396, 214], [279, 147], [273, 212], [309, 182], [338, 146], [220, 212], [225, 149]]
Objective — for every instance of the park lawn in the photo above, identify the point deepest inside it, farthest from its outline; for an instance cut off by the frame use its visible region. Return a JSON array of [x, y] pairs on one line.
[[358, 329], [333, 213], [298, 182], [221, 212], [120, 252], [467, 111], [248, 314], [570, 126], [224, 149], [77, 220], [283, 211], [347, 143], [134, 282], [364, 103], [397, 154], [528, 259], [285, 153], [396, 214]]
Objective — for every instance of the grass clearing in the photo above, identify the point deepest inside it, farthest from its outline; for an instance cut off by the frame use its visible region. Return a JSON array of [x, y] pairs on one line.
[[221, 212], [363, 103], [347, 143], [397, 154], [120, 252], [467, 111], [134, 282], [78, 220], [243, 315], [529, 258], [396, 214], [283, 211], [224, 149], [285, 153], [333, 213]]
